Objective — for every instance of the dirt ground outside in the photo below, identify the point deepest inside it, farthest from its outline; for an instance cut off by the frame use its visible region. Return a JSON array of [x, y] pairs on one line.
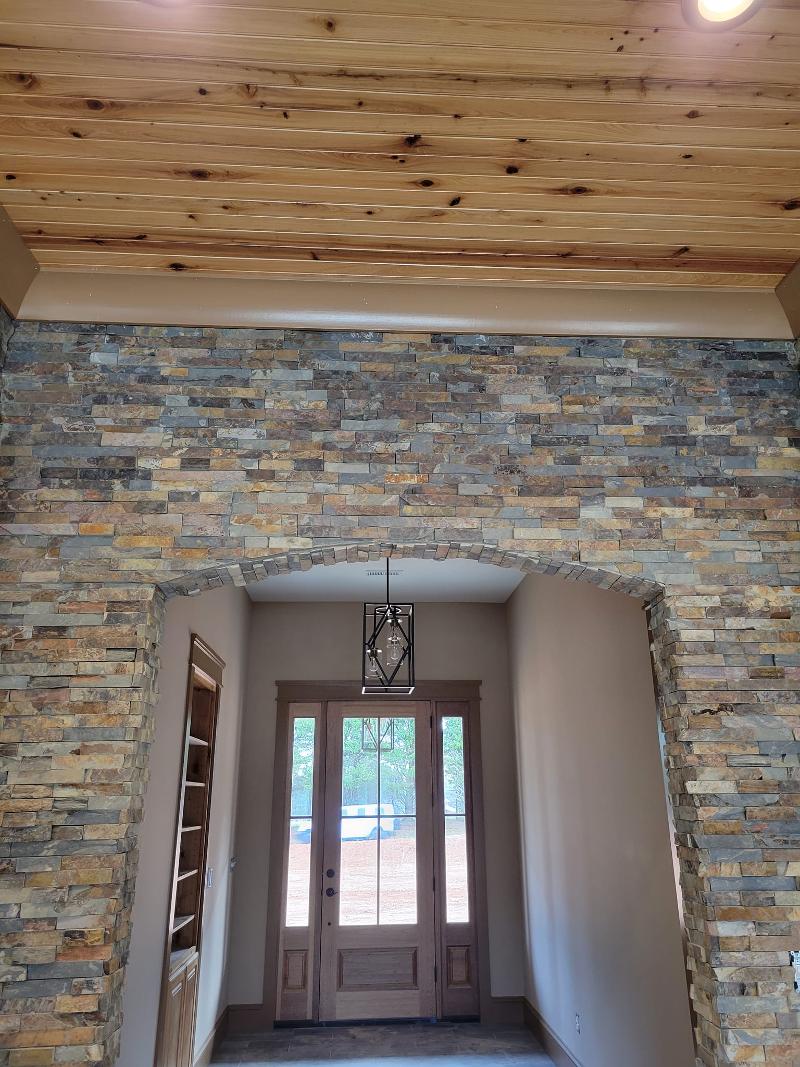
[[378, 879]]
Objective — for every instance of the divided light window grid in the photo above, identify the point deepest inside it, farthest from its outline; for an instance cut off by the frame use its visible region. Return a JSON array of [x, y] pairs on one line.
[[378, 862]]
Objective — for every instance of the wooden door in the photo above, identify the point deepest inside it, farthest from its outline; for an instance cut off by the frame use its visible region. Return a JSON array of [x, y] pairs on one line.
[[378, 950], [169, 1038], [188, 1013]]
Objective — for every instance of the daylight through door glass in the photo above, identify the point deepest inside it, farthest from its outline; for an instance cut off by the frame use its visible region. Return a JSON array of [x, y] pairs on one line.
[[378, 861], [455, 820], [298, 880]]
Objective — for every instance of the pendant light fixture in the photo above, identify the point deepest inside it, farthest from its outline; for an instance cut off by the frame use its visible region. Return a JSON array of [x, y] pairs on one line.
[[387, 660]]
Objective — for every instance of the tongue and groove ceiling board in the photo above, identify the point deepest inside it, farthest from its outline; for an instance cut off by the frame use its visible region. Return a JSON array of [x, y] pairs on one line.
[[520, 142]]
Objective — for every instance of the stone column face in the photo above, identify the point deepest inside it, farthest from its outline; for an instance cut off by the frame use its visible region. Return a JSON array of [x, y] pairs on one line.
[[727, 683], [76, 730], [143, 462]]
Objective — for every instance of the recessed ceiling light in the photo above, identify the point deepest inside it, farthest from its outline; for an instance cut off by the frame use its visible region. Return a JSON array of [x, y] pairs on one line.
[[719, 14]]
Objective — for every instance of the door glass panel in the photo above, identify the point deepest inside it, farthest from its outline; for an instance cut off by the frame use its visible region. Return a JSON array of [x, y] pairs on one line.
[[456, 881], [378, 862], [398, 773], [358, 872], [398, 873], [359, 763], [298, 880], [455, 822], [453, 762]]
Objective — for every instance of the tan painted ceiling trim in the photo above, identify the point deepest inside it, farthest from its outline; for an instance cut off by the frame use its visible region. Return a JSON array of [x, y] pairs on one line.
[[18, 266], [213, 301], [788, 293]]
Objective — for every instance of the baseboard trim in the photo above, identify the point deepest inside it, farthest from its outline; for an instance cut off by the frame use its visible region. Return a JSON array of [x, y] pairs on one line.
[[203, 1057], [504, 1011], [247, 1019], [546, 1038]]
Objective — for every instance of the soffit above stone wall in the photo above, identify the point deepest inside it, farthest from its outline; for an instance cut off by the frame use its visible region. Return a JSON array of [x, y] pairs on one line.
[[601, 147]]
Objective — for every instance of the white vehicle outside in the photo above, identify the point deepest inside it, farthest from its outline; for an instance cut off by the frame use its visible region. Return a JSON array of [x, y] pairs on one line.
[[358, 823]]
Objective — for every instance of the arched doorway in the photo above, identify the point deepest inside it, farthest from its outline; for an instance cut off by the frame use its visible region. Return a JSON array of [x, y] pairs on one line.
[[240, 575]]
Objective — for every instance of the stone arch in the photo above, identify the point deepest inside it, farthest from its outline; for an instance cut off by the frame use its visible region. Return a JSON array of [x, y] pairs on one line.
[[247, 572]]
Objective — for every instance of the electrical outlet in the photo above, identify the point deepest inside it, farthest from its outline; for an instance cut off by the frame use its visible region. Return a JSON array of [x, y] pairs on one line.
[[577, 1023]]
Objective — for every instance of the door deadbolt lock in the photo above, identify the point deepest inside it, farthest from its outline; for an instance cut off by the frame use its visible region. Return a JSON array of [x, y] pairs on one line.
[[329, 892]]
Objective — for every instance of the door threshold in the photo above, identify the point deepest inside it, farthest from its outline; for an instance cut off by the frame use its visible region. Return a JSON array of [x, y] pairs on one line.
[[298, 1024]]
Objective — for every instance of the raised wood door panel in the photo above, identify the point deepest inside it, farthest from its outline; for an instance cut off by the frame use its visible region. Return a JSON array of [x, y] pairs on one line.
[[188, 1011], [377, 919]]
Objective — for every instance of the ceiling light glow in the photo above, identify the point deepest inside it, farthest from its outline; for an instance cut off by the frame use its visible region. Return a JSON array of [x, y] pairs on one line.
[[722, 10], [718, 14]]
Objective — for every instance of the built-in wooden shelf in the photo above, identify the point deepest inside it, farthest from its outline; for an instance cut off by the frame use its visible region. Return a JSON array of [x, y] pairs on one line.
[[185, 924]]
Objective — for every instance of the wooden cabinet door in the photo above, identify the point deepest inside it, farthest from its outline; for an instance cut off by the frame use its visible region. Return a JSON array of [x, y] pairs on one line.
[[169, 1044], [186, 1044]]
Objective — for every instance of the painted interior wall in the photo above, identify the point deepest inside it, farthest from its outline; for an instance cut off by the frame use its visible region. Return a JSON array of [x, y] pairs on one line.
[[221, 618], [317, 642], [603, 936]]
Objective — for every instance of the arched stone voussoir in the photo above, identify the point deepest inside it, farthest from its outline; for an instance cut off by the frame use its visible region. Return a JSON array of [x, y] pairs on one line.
[[247, 572]]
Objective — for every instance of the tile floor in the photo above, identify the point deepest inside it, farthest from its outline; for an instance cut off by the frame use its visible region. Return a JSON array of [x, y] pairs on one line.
[[408, 1045]]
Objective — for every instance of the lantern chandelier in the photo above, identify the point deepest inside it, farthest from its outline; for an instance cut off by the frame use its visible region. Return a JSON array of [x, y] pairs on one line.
[[387, 661]]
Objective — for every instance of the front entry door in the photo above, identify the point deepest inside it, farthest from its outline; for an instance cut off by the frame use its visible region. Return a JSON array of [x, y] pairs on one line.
[[378, 952], [375, 831]]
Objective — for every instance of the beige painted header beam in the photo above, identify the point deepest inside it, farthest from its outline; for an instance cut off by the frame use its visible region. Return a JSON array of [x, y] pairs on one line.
[[788, 292], [185, 300], [18, 267]]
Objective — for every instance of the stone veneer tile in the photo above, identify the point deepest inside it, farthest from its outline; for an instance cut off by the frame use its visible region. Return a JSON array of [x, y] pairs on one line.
[[145, 462]]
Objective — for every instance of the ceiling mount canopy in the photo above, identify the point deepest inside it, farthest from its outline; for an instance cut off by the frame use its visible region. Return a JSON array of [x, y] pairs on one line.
[[719, 14]]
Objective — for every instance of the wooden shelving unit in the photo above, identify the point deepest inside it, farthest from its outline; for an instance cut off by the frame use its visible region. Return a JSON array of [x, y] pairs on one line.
[[195, 800], [184, 928]]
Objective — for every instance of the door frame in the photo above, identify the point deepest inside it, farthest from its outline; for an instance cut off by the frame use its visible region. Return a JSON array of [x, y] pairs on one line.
[[292, 692]]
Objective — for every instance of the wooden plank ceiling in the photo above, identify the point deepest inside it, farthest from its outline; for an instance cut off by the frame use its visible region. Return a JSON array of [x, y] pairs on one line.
[[513, 141]]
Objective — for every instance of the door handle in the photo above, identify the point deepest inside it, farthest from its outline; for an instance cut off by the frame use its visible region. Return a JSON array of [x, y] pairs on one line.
[[330, 892]]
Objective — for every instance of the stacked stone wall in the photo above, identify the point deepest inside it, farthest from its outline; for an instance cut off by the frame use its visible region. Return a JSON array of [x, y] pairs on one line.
[[146, 462]]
